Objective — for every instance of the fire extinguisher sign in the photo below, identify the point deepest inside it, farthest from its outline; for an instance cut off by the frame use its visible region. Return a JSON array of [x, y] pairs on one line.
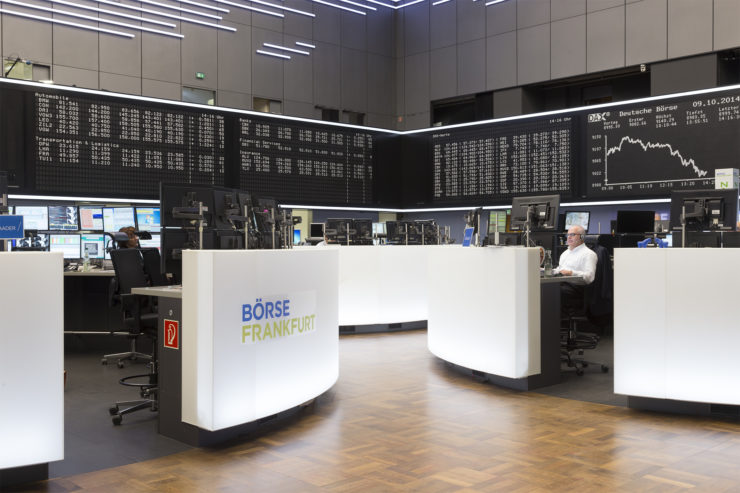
[[172, 334]]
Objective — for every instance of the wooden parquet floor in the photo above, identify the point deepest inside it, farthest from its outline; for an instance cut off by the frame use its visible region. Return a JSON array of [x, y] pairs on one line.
[[401, 420]]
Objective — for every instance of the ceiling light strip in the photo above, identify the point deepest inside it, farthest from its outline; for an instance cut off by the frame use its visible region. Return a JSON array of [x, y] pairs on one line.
[[407, 4], [287, 9], [269, 53], [180, 9], [381, 3], [368, 7], [204, 6], [65, 23], [247, 7], [91, 18], [329, 4], [165, 14], [307, 45], [111, 12], [440, 2], [492, 2], [283, 48]]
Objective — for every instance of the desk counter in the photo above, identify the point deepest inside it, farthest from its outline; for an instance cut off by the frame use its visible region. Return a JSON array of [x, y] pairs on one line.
[[676, 334], [31, 363], [489, 312], [258, 335]]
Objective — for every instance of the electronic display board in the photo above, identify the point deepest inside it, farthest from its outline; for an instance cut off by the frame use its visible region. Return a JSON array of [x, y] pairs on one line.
[[91, 144], [500, 160], [649, 149], [306, 162]]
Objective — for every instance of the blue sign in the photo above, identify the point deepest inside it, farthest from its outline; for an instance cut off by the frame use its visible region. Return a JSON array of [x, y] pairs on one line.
[[468, 237], [11, 227]]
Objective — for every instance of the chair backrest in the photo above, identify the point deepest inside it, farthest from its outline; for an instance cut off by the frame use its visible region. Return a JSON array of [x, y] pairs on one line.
[[599, 293], [153, 266], [129, 269]]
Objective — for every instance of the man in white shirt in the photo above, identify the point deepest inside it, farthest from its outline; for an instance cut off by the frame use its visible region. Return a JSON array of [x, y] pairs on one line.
[[577, 260]]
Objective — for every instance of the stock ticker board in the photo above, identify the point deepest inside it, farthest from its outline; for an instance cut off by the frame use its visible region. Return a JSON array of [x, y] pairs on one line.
[[651, 149], [86, 144], [503, 160], [306, 162]]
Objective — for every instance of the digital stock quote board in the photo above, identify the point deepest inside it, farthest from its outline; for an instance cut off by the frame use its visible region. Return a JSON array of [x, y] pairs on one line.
[[90, 144], [310, 163], [497, 161], [652, 148]]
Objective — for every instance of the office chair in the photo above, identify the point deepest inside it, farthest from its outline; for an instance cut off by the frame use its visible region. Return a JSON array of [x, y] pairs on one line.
[[153, 267], [139, 319], [129, 274], [597, 309]]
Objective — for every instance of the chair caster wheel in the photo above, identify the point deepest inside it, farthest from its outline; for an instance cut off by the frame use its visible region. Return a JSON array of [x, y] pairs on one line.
[[604, 369], [113, 410], [104, 361], [117, 419], [120, 363]]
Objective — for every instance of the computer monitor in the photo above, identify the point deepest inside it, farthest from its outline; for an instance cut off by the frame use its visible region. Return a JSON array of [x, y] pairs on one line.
[[94, 244], [542, 212], [635, 221], [63, 218], [226, 209], [361, 232], [574, 218], [147, 219], [33, 240], [317, 230], [497, 221], [705, 209], [337, 230], [379, 229], [34, 216], [69, 245], [115, 218], [155, 242], [91, 217], [296, 236]]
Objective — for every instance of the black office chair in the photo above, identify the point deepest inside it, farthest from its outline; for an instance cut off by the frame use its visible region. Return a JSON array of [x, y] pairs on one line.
[[153, 267], [596, 311], [129, 274], [140, 319]]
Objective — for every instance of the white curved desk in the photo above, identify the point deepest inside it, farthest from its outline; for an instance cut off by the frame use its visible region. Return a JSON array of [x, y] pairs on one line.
[[485, 314], [676, 337]]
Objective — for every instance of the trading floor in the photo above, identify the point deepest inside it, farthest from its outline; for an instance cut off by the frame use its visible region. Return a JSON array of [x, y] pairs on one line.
[[400, 419]]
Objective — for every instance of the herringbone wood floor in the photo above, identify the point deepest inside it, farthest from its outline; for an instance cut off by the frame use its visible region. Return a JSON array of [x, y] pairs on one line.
[[400, 420]]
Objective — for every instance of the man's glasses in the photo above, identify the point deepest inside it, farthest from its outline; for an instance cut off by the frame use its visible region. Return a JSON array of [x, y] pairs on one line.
[[569, 235]]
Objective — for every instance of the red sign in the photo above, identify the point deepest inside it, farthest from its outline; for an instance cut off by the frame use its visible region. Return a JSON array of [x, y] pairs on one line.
[[172, 334]]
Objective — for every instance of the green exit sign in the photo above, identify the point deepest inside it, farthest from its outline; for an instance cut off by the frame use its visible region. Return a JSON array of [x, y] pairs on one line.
[[200, 75]]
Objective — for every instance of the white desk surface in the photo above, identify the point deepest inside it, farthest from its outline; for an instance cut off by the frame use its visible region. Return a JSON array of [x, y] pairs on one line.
[[557, 279], [163, 291]]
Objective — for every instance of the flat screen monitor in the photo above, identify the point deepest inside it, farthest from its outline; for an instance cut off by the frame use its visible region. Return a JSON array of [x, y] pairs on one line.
[[69, 245], [497, 221], [10, 209], [91, 218], [34, 217], [115, 218], [63, 218], [378, 229], [635, 221], [317, 230], [147, 219], [296, 236], [542, 212], [155, 242], [573, 218], [94, 245], [705, 209], [40, 240], [337, 230]]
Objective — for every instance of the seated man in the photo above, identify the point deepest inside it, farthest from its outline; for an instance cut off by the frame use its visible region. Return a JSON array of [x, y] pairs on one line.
[[577, 260]]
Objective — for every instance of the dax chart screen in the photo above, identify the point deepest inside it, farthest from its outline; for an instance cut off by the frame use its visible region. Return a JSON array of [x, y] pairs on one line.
[[671, 144]]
